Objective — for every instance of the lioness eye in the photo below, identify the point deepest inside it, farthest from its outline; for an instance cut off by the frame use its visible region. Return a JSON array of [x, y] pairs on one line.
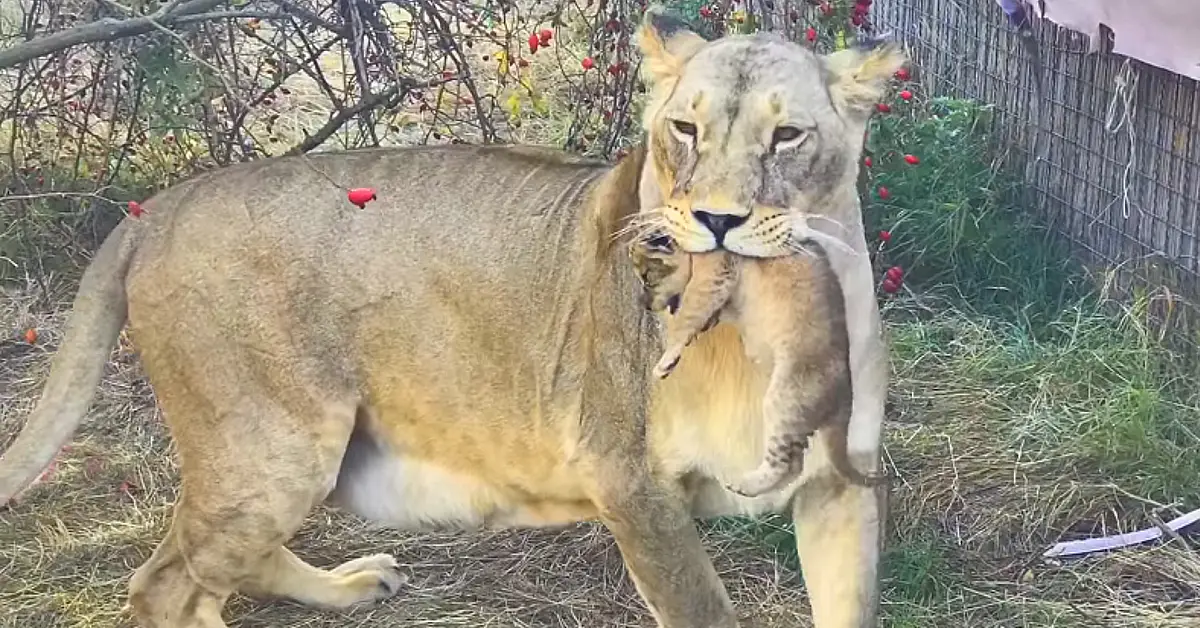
[[785, 134], [686, 128]]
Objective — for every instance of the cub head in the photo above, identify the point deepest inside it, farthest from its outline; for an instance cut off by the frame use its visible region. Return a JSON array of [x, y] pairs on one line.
[[663, 270], [748, 133]]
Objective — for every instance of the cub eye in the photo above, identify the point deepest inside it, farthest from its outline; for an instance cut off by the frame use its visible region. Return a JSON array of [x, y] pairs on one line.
[[661, 242], [685, 128], [786, 135]]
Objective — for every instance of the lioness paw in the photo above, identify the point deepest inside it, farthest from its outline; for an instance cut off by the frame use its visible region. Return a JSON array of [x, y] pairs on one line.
[[370, 578]]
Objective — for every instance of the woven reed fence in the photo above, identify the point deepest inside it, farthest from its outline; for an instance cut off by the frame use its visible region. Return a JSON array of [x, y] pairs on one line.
[[1115, 145]]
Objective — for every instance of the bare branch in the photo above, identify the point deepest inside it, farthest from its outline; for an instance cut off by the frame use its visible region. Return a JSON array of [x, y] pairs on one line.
[[386, 98], [105, 29], [345, 115]]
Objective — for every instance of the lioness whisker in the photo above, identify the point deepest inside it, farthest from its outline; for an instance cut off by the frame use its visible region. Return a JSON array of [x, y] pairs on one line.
[[804, 217], [824, 239], [642, 223]]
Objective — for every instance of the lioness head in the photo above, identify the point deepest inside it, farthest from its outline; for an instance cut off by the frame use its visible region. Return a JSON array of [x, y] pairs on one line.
[[748, 132]]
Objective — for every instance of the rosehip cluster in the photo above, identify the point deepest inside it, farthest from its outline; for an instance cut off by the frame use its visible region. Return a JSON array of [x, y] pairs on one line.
[[859, 14], [892, 279], [540, 39]]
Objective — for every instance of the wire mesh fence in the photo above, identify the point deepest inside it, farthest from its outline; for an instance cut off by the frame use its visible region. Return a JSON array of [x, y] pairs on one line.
[[1110, 146]]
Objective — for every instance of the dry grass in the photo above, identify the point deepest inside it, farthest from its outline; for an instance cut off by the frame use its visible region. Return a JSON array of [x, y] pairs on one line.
[[970, 518]]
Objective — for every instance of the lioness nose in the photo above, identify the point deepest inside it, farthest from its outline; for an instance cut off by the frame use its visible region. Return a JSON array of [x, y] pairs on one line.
[[718, 224]]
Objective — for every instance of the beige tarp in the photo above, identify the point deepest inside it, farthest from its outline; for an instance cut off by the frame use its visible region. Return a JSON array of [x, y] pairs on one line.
[[1165, 33]]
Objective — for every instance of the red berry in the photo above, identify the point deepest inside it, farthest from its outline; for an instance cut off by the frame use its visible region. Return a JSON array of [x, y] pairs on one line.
[[135, 209], [895, 273], [545, 36], [902, 74], [616, 68], [867, 162], [361, 196], [49, 471], [885, 235], [906, 95], [533, 43], [31, 335], [705, 12], [912, 159], [884, 194], [889, 286], [883, 107], [856, 19], [811, 34], [587, 63]]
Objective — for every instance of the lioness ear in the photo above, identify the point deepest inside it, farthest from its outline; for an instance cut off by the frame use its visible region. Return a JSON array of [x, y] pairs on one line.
[[857, 77], [666, 43]]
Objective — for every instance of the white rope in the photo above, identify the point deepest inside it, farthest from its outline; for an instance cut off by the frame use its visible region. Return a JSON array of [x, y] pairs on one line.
[[1123, 99]]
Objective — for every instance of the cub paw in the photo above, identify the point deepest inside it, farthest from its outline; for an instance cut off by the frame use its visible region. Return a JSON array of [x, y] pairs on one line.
[[666, 365]]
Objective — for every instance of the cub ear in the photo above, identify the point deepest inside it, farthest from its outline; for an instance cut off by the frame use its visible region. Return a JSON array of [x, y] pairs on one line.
[[857, 77], [667, 43]]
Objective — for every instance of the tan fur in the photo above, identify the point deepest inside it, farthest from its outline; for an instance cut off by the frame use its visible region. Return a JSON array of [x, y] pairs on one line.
[[789, 312], [465, 351]]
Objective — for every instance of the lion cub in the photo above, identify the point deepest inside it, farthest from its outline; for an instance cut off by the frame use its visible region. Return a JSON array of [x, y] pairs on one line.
[[791, 314]]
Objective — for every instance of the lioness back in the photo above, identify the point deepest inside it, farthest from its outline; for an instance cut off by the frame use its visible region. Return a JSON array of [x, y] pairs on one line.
[[453, 308]]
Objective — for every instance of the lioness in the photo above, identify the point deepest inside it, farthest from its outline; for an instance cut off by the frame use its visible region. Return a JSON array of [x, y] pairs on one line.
[[469, 348], [790, 313]]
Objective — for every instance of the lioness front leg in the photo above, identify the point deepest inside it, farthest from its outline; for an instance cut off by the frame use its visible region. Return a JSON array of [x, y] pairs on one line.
[[663, 553], [839, 538]]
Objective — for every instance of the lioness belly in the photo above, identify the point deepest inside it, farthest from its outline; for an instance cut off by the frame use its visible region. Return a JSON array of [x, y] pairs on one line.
[[409, 493], [410, 490]]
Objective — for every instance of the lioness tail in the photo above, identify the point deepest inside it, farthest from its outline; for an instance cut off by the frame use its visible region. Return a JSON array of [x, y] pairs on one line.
[[76, 368]]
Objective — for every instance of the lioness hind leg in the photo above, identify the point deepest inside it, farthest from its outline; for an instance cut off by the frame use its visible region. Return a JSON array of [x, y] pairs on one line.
[[365, 579], [247, 486], [661, 549]]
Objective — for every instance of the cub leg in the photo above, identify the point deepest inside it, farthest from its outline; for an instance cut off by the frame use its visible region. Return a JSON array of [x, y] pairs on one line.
[[713, 277], [791, 404], [246, 490]]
